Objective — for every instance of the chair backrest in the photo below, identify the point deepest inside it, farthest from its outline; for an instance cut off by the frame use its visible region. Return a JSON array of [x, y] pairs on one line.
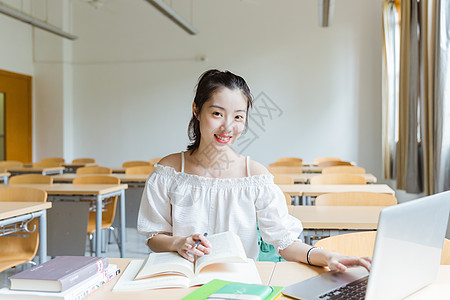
[[58, 160], [353, 244], [325, 164], [100, 179], [362, 244], [10, 164], [140, 170], [83, 160], [135, 163], [282, 179], [343, 170], [338, 179], [289, 163], [355, 199], [47, 164], [318, 160], [288, 198], [285, 169], [94, 170], [16, 250], [153, 161], [296, 159], [31, 178]]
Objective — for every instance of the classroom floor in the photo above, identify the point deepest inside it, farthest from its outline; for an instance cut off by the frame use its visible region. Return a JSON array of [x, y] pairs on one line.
[[135, 248]]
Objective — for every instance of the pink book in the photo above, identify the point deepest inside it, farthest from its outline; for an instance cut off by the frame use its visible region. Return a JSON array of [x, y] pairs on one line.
[[58, 274]]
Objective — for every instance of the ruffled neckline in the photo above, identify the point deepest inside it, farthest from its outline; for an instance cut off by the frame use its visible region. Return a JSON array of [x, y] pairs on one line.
[[181, 177]]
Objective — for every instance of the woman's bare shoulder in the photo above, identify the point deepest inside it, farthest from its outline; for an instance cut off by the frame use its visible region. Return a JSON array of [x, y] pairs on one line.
[[171, 160], [257, 168]]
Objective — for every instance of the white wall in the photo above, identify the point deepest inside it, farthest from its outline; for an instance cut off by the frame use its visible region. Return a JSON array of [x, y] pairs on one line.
[[135, 72]]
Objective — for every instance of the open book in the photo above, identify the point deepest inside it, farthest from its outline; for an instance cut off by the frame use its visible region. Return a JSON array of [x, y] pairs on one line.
[[227, 261]]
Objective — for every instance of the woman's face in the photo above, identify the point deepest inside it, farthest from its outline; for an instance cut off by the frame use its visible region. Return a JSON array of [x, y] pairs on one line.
[[222, 118]]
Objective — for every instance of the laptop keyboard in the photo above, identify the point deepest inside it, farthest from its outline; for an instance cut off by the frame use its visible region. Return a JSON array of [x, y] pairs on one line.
[[354, 290]]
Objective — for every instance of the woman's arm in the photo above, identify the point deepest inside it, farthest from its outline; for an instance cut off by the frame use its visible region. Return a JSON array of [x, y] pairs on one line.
[[298, 251], [184, 245]]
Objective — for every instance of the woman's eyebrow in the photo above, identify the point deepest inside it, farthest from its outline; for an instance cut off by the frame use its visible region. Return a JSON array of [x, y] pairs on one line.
[[220, 107]]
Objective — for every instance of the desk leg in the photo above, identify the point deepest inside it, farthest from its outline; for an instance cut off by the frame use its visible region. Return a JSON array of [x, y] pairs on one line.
[[43, 237], [5, 179], [122, 224], [98, 226]]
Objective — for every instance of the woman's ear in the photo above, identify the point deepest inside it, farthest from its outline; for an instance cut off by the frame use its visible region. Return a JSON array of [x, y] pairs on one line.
[[194, 110]]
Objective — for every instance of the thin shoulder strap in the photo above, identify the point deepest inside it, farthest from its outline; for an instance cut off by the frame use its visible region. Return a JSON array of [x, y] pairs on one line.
[[247, 163], [182, 161]]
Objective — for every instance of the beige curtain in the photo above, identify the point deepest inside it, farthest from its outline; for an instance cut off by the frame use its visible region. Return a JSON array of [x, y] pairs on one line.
[[423, 149], [391, 46]]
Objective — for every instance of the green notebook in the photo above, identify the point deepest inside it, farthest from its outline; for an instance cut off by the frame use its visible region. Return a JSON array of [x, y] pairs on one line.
[[217, 286]]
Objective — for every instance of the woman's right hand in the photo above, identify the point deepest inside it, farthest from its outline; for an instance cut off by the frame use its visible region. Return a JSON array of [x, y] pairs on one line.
[[186, 246]]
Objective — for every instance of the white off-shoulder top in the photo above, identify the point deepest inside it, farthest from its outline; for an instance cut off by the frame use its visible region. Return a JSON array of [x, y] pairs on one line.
[[181, 204]]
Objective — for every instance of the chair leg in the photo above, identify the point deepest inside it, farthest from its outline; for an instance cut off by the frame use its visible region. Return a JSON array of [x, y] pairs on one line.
[[91, 244], [116, 237]]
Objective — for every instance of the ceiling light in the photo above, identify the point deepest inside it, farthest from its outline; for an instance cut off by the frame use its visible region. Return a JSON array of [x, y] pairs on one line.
[[34, 22]]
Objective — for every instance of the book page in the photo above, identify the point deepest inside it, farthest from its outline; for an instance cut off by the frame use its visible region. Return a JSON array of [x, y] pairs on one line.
[[226, 247], [237, 272], [165, 263], [127, 283]]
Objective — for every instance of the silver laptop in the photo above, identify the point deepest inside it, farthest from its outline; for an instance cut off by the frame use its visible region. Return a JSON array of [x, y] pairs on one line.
[[406, 257]]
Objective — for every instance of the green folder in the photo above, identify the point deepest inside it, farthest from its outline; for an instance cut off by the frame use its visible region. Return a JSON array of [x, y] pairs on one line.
[[211, 287]]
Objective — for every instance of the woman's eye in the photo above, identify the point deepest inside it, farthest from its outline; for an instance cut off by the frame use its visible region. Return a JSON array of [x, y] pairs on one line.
[[239, 118], [218, 114]]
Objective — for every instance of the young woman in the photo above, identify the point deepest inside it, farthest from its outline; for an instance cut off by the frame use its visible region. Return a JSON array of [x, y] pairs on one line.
[[211, 188]]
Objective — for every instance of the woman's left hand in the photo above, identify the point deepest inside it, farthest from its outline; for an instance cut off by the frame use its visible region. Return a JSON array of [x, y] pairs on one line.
[[338, 262]]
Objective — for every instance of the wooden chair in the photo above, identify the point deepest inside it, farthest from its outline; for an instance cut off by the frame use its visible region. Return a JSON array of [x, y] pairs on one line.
[[318, 160], [291, 163], [153, 161], [285, 169], [31, 178], [94, 170], [58, 160], [343, 170], [362, 244], [282, 179], [83, 161], [16, 250], [147, 170], [356, 199], [325, 164], [135, 163], [108, 209], [338, 179], [288, 159], [11, 164]]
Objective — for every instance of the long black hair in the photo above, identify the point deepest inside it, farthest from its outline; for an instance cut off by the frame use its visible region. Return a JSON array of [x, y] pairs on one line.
[[210, 82]]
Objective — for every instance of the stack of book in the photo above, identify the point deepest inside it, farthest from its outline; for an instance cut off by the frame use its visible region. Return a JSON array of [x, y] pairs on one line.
[[64, 277]]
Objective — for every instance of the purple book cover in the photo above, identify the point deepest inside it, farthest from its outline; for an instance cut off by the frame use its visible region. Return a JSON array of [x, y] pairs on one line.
[[68, 270]]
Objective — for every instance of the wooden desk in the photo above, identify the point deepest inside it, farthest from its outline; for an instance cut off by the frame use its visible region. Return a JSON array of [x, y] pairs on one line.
[[287, 273], [12, 212], [324, 221], [35, 170], [306, 177], [4, 177], [99, 192], [72, 168], [130, 179], [264, 268], [319, 189]]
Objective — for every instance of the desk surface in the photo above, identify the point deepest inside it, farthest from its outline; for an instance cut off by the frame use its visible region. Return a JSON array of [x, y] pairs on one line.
[[264, 268], [123, 177], [13, 209], [33, 169], [306, 177], [282, 274], [337, 217], [79, 165], [69, 189], [319, 189]]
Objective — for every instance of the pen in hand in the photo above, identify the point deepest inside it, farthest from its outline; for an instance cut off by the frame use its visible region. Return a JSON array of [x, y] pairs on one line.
[[199, 241]]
